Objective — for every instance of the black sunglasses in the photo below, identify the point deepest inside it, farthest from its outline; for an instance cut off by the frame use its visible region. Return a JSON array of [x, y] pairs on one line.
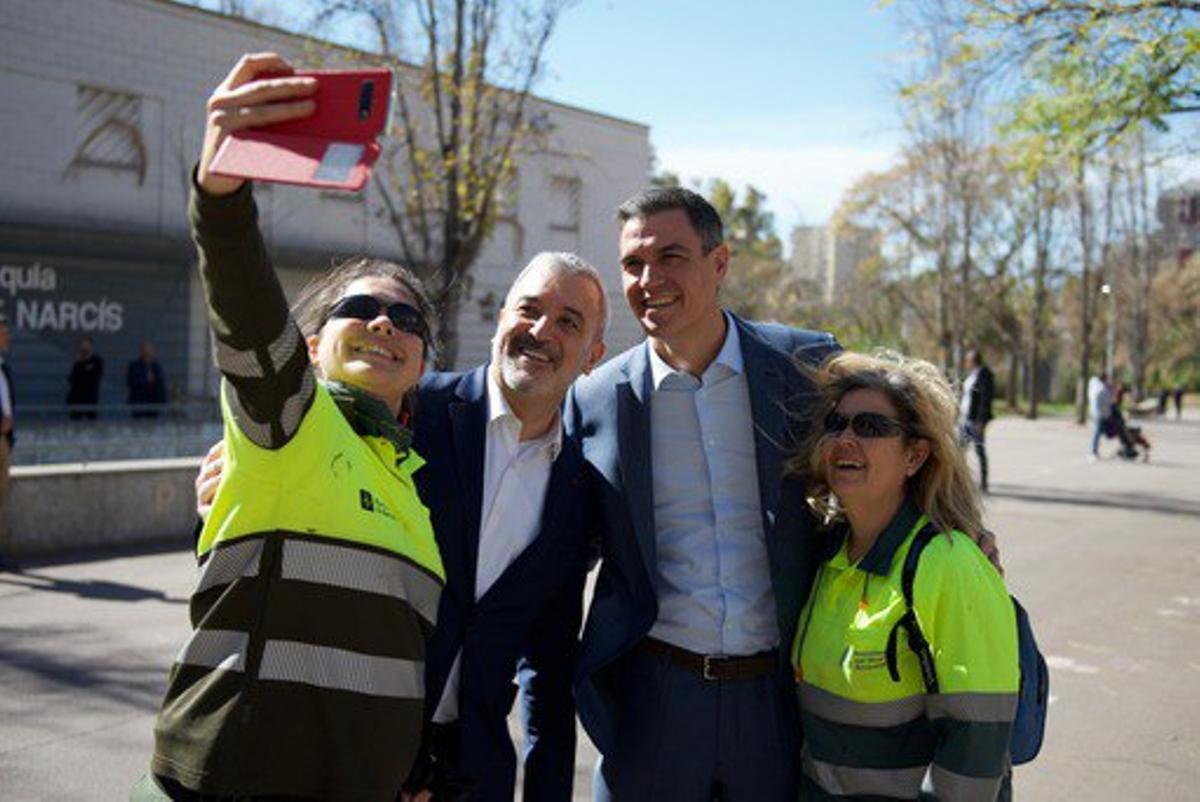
[[869, 425], [404, 316]]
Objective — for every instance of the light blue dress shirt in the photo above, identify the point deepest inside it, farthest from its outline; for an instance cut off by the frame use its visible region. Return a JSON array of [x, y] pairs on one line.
[[714, 580]]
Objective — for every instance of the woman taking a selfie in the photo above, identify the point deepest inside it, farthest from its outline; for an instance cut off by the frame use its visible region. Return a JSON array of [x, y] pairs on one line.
[[320, 578], [881, 466]]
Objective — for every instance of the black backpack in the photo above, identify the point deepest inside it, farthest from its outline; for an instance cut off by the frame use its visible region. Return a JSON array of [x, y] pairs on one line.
[[1034, 689]]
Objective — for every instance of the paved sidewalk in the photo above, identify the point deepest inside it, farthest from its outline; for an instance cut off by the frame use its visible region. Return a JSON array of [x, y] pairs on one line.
[[1106, 557]]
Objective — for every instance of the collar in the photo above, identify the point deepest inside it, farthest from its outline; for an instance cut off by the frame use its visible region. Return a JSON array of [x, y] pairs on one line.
[[878, 559], [370, 417], [499, 411], [730, 355]]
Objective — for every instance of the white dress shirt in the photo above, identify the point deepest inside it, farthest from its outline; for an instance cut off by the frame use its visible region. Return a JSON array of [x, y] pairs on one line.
[[515, 476]]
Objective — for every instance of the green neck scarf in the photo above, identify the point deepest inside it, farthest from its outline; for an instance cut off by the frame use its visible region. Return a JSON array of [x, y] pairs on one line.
[[369, 416]]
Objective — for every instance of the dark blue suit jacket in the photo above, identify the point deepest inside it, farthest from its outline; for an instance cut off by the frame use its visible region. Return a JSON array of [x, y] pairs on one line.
[[610, 411], [528, 620]]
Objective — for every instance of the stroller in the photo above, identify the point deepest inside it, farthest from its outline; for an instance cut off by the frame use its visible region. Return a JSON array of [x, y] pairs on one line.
[[1130, 436]]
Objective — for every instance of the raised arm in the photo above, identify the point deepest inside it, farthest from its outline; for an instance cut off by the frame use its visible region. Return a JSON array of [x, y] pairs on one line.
[[258, 347]]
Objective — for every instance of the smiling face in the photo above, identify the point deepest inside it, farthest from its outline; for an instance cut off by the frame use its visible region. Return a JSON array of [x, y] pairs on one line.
[[670, 282], [870, 473], [371, 355], [548, 333]]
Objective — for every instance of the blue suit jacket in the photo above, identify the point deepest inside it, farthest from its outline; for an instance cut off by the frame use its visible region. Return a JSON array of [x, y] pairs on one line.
[[610, 411], [528, 620]]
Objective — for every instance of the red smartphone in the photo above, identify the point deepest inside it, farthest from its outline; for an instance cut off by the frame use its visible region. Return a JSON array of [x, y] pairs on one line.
[[333, 148]]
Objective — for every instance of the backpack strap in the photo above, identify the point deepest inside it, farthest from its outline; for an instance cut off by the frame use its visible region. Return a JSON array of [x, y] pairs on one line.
[[908, 621]]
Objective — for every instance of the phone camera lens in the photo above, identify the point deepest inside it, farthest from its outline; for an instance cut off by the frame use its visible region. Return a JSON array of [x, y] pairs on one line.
[[365, 96]]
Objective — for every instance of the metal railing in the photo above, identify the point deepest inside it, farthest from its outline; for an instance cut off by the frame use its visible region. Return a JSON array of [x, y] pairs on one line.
[[200, 409], [60, 433]]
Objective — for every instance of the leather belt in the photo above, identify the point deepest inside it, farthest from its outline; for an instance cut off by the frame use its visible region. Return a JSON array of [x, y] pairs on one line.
[[715, 667]]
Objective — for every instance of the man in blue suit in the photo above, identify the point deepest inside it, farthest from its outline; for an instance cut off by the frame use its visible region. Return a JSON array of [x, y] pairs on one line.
[[509, 498], [683, 680]]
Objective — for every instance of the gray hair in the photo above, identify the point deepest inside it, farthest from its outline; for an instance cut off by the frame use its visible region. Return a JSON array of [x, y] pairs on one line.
[[564, 263]]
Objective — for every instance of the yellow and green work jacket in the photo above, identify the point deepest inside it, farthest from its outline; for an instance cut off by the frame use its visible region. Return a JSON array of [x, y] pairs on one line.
[[320, 577], [867, 736]]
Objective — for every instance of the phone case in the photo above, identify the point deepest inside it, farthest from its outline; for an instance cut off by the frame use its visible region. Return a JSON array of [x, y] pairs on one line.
[[334, 148]]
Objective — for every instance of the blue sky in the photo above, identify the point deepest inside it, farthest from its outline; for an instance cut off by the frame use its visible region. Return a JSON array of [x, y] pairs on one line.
[[793, 97], [796, 97]]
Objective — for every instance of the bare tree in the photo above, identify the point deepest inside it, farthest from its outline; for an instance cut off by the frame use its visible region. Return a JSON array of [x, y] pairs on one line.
[[465, 70], [1045, 196]]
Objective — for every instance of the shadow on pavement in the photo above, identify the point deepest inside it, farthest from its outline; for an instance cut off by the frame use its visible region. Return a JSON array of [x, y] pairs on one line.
[[86, 588], [22, 564], [137, 685], [1122, 501]]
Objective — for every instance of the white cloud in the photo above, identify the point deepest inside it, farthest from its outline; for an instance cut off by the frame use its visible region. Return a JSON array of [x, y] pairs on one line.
[[803, 184]]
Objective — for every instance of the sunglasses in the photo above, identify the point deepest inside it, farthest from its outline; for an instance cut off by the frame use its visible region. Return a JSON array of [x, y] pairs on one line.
[[404, 316], [868, 425]]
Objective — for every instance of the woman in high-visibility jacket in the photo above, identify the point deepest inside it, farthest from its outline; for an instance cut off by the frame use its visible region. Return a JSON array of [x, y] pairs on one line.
[[881, 465], [320, 577]]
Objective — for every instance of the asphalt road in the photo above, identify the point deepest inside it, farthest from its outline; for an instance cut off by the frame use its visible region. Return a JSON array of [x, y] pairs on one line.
[[1105, 556]]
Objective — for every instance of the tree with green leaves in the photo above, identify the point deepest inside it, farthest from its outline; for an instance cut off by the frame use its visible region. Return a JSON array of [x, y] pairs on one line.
[[1091, 70], [759, 284]]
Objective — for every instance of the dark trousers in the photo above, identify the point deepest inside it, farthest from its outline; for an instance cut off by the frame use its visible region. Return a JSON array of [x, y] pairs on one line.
[[973, 433], [681, 738]]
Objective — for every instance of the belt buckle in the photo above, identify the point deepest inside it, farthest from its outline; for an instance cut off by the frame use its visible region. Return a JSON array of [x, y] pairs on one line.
[[706, 668]]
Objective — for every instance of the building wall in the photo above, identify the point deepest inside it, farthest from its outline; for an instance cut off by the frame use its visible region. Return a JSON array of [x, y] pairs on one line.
[[1179, 215], [66, 66], [830, 257]]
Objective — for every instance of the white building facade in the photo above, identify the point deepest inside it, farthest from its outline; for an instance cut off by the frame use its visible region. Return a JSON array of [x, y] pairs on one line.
[[101, 114]]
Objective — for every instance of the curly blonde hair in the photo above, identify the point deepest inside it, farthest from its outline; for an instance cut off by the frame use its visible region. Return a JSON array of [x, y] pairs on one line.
[[926, 404]]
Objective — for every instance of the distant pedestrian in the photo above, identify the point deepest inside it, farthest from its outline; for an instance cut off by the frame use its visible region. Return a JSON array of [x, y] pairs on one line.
[[1178, 401], [146, 384], [1100, 403], [83, 383], [6, 438], [1164, 397], [975, 409]]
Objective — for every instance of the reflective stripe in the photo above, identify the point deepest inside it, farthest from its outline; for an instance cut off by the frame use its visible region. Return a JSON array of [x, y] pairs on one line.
[[296, 405], [850, 781], [338, 669], [245, 363], [285, 345], [358, 569], [236, 362], [256, 432], [948, 785], [988, 707], [227, 563], [840, 710], [216, 648]]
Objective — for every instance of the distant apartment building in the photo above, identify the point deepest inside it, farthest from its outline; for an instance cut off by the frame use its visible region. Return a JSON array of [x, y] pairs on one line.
[[101, 114], [1179, 216], [828, 257]]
